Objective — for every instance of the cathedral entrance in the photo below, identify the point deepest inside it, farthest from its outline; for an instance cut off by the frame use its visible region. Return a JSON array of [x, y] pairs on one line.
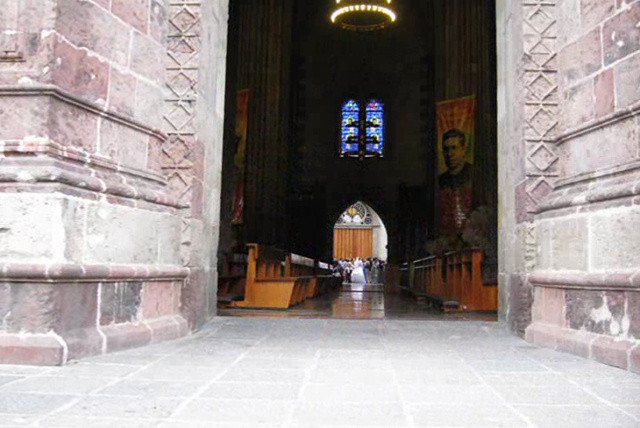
[[336, 126], [408, 117], [158, 152]]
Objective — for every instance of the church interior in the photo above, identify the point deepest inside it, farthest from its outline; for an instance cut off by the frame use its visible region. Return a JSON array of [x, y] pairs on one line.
[[296, 74], [327, 213]]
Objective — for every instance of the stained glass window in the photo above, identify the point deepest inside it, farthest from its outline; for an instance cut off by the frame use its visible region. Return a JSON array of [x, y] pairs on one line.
[[356, 214], [375, 127], [368, 120], [350, 126]]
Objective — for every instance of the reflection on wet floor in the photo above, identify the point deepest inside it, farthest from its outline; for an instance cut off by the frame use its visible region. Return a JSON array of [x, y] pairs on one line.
[[362, 301]]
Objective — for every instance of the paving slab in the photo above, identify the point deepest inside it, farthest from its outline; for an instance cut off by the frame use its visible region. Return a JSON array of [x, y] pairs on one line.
[[236, 411], [56, 385], [463, 415], [31, 403], [578, 416], [152, 388], [253, 391], [59, 421], [287, 373], [355, 414], [142, 407]]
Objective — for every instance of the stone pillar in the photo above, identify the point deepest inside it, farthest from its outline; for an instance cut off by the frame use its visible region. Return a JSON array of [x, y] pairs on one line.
[[586, 270], [515, 230], [90, 230], [191, 157]]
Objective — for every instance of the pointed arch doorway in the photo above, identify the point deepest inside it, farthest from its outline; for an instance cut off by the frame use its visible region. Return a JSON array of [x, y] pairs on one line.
[[359, 232]]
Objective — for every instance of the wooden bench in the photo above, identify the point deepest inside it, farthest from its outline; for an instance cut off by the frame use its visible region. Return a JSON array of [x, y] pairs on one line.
[[326, 280], [464, 281], [275, 280], [453, 282], [303, 268]]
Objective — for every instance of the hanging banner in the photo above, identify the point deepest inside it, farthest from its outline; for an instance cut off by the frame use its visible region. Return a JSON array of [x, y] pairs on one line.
[[456, 135], [239, 160]]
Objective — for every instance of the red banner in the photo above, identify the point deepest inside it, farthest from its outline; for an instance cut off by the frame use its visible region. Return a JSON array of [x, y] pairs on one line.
[[456, 132], [239, 160]]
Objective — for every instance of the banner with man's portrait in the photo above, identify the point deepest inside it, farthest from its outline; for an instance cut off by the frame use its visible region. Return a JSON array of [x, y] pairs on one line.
[[456, 134], [239, 159]]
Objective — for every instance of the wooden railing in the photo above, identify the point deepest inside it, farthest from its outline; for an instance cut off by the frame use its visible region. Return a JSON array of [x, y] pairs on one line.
[[453, 280]]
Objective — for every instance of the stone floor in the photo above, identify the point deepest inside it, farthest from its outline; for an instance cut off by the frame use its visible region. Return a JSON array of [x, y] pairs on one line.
[[359, 301], [287, 372]]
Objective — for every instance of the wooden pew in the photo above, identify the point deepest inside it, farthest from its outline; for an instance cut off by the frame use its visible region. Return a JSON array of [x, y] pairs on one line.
[[464, 281], [303, 268], [429, 273], [271, 280], [423, 279], [325, 279], [454, 281]]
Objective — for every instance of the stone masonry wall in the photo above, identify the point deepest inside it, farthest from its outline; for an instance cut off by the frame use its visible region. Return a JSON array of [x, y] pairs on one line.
[[587, 266], [191, 157], [514, 296], [90, 229]]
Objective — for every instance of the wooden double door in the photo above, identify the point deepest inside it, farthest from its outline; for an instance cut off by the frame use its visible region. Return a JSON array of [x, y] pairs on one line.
[[352, 243]]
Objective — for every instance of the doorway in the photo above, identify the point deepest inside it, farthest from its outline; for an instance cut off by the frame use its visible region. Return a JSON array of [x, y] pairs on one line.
[[300, 190], [359, 232]]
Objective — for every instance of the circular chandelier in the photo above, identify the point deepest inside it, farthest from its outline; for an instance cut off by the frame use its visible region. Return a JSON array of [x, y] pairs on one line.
[[363, 15]]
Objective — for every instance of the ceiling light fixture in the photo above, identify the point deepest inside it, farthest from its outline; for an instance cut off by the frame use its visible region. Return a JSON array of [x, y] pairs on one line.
[[363, 15]]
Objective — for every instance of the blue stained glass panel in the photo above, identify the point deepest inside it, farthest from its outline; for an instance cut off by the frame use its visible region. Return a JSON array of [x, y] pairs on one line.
[[375, 127], [350, 126], [374, 105], [351, 105]]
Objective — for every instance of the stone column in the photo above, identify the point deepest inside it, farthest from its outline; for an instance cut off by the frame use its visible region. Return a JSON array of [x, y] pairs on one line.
[[515, 229], [89, 229], [191, 157]]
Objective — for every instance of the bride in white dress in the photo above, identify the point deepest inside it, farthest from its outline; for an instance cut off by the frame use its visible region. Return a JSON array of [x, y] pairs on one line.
[[357, 276]]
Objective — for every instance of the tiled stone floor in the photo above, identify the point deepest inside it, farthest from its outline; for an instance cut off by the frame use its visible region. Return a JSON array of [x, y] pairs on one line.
[[282, 372]]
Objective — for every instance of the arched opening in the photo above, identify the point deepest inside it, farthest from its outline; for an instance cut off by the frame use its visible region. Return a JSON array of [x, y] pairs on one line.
[[138, 189], [350, 156], [360, 233]]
